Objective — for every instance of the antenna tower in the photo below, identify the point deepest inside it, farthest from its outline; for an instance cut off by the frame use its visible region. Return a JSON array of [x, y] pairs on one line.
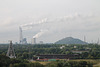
[[84, 39], [98, 41], [21, 35]]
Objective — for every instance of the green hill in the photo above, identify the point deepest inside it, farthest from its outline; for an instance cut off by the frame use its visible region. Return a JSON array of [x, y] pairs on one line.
[[70, 40]]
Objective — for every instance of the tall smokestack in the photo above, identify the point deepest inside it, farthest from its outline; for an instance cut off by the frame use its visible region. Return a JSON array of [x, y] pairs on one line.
[[98, 41], [21, 35], [34, 41], [38, 35], [84, 39]]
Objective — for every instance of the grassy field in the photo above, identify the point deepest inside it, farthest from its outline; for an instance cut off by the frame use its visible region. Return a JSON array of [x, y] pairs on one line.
[[96, 63]]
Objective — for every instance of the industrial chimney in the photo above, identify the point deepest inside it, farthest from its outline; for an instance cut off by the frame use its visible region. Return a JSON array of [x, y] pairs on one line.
[[34, 41]]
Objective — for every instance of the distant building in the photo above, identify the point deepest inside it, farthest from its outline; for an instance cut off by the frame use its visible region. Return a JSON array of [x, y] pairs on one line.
[[62, 47], [78, 51], [75, 46], [34, 41], [24, 41]]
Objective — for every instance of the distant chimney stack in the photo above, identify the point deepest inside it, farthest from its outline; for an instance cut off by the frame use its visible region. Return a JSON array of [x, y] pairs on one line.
[[34, 41]]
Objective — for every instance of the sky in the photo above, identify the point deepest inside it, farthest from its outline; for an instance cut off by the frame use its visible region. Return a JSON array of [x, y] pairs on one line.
[[51, 19]]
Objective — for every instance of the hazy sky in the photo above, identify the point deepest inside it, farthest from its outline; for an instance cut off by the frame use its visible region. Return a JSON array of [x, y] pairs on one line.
[[56, 18]]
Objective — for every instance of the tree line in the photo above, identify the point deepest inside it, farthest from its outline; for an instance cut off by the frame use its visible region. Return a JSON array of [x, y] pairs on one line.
[[29, 51], [7, 62]]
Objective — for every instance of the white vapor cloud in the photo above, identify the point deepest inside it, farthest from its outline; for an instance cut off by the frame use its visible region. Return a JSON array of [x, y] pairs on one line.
[[35, 23], [32, 24], [40, 33]]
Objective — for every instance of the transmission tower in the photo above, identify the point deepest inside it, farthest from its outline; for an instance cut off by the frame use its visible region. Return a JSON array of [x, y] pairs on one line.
[[98, 41], [84, 39], [21, 35], [11, 52]]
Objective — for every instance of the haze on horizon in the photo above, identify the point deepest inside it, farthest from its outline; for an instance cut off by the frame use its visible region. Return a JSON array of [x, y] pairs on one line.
[[58, 18]]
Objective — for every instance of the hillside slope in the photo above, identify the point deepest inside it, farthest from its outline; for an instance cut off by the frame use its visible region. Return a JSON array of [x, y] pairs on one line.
[[70, 40]]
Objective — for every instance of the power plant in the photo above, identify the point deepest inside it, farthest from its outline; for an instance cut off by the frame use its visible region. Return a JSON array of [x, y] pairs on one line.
[[22, 40], [28, 26]]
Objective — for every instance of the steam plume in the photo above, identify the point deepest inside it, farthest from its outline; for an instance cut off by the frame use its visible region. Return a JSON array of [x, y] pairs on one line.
[[37, 23], [40, 33]]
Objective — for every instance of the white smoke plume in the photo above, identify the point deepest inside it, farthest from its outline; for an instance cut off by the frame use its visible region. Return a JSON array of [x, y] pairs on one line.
[[40, 33], [27, 25], [66, 19], [36, 23], [56, 19], [30, 25], [73, 17]]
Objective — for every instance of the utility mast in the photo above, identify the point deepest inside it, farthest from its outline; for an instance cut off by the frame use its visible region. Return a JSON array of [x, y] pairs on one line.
[[98, 41], [21, 35], [11, 52], [84, 39]]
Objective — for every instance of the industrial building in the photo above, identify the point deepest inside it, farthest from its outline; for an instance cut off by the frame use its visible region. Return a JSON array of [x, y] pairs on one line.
[[48, 57], [22, 40]]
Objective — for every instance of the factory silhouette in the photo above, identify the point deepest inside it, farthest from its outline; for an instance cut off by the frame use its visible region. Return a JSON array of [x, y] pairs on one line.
[[23, 40], [64, 40]]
